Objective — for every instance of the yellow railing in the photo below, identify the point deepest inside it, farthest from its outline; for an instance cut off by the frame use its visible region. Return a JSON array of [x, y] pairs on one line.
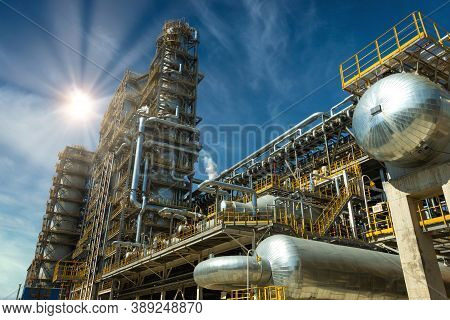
[[223, 218], [271, 181], [380, 223], [259, 293], [69, 271], [110, 250], [397, 39], [324, 221]]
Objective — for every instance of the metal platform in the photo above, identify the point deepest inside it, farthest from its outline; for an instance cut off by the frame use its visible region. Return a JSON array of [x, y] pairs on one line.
[[415, 43]]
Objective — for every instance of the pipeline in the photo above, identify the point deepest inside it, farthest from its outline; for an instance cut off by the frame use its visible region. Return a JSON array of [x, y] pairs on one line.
[[167, 212], [137, 163], [266, 147], [219, 184], [144, 202]]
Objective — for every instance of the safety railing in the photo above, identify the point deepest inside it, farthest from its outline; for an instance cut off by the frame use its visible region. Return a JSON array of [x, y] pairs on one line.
[[324, 221], [69, 271], [110, 250], [270, 181], [380, 221], [86, 156], [259, 293], [162, 242], [431, 212], [397, 39]]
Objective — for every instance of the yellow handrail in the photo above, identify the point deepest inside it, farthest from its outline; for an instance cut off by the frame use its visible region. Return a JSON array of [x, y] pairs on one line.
[[397, 39]]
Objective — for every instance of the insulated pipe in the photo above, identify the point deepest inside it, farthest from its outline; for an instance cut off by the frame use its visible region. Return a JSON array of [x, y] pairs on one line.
[[126, 143], [222, 193], [184, 213], [144, 202], [266, 147], [229, 186], [171, 215], [232, 272], [137, 163], [350, 97], [311, 270]]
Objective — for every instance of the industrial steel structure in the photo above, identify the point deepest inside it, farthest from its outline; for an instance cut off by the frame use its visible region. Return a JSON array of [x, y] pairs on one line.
[[147, 231], [61, 225]]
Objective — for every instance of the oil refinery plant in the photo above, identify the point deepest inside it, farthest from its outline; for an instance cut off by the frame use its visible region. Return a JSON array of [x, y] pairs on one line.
[[347, 204]]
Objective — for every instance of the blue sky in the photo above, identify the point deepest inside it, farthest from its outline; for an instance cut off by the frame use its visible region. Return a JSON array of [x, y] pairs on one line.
[[258, 57]]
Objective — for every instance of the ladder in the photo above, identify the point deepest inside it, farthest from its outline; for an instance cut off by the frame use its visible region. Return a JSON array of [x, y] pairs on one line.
[[100, 209]]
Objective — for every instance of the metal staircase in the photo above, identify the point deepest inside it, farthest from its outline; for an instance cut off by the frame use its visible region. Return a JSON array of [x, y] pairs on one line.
[[335, 207], [97, 233]]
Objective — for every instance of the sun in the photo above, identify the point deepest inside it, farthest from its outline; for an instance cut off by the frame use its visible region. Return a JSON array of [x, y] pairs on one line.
[[80, 105]]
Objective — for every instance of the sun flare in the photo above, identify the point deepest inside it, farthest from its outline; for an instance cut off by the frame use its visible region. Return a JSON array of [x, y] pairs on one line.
[[79, 105]]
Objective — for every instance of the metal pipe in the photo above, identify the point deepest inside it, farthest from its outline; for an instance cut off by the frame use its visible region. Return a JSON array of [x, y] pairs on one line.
[[350, 97], [144, 202], [123, 145], [224, 185], [266, 147], [365, 199], [294, 263], [222, 193], [248, 273], [229, 186], [137, 163], [184, 213], [230, 272]]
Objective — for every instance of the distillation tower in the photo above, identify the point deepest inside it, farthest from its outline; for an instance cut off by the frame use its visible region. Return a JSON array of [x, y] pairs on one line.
[[143, 170], [61, 225]]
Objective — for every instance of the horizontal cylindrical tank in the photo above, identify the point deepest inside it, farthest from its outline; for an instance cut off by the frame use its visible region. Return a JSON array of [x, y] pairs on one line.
[[230, 272], [267, 203], [403, 119], [314, 270]]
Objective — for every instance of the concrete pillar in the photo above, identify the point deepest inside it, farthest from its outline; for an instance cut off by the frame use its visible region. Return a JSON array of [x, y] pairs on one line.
[[418, 259], [199, 293], [446, 190]]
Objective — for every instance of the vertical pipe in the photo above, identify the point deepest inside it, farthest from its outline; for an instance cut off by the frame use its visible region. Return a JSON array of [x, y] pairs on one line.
[[351, 214], [144, 202], [137, 163], [18, 291]]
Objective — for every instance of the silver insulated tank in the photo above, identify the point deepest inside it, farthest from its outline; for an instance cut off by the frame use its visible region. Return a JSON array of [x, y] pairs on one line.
[[403, 119], [310, 270]]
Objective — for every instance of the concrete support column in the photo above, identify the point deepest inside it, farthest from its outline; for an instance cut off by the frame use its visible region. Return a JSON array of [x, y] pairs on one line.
[[199, 293], [418, 259], [446, 189]]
